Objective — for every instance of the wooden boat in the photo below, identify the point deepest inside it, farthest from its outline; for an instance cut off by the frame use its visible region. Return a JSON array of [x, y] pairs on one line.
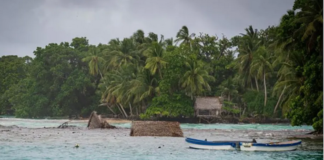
[[212, 145], [273, 146]]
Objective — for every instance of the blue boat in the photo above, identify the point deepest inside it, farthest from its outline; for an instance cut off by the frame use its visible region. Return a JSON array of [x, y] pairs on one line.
[[243, 145], [212, 145]]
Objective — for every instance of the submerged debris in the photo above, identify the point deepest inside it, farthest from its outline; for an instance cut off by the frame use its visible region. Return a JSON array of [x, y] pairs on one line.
[[65, 125], [9, 127]]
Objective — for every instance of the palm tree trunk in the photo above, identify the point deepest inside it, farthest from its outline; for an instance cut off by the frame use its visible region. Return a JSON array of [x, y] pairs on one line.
[[121, 106], [275, 109], [110, 109], [120, 110], [136, 108], [160, 73], [130, 108], [142, 106], [256, 83], [102, 78], [265, 89], [100, 74]]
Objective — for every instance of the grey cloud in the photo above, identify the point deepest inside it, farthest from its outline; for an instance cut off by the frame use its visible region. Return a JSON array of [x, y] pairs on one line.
[[28, 24], [18, 21]]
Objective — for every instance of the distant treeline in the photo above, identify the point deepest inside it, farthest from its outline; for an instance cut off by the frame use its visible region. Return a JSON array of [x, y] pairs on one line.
[[277, 72]]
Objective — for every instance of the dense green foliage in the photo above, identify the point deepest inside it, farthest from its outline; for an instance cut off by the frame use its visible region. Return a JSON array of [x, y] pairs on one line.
[[272, 72], [12, 70]]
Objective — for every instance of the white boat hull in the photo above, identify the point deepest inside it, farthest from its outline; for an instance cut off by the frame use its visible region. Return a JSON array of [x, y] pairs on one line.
[[210, 145], [244, 146], [270, 149], [218, 147]]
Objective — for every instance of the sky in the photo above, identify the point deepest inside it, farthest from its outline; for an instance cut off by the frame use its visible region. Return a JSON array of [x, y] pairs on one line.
[[28, 24]]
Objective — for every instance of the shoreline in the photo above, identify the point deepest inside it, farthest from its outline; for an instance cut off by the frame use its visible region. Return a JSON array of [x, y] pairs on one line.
[[196, 120], [190, 120]]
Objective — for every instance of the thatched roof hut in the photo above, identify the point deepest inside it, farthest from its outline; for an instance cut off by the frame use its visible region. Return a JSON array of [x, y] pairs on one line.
[[208, 106], [95, 121], [156, 128]]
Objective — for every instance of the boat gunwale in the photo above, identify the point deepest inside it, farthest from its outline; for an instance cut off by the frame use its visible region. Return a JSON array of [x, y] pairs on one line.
[[274, 144], [210, 143]]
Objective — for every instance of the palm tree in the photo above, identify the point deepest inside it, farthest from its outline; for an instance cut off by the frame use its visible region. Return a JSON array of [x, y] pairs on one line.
[[311, 15], [229, 88], [168, 45], [155, 61], [144, 86], [248, 44], [250, 32], [122, 53], [195, 79], [168, 42], [261, 64], [184, 36], [118, 86], [114, 45], [139, 36], [95, 61], [152, 37], [288, 84]]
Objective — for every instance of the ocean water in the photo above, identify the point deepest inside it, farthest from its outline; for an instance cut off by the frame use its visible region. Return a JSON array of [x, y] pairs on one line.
[[27, 139], [235, 126], [41, 123]]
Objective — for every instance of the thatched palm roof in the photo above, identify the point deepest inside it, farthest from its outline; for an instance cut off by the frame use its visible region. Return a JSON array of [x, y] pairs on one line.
[[94, 120], [208, 103], [156, 128]]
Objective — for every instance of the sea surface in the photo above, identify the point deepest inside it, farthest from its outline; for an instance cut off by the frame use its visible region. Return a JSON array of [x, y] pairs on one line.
[[31, 139]]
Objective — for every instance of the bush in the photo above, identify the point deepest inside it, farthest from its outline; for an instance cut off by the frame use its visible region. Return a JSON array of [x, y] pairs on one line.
[[169, 106]]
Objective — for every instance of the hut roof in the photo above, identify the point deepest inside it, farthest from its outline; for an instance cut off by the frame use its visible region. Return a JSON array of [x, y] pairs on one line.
[[95, 121], [156, 128], [208, 103]]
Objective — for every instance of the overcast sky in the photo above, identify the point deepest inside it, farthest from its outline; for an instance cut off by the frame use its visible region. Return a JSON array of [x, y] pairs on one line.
[[27, 24]]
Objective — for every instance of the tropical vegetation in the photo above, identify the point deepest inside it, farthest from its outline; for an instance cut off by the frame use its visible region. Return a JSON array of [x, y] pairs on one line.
[[271, 72]]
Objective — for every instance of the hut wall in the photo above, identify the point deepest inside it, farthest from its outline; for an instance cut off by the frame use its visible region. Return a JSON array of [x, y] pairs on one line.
[[208, 113], [203, 112]]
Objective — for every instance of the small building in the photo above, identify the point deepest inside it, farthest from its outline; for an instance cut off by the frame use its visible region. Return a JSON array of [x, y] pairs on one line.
[[208, 106]]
